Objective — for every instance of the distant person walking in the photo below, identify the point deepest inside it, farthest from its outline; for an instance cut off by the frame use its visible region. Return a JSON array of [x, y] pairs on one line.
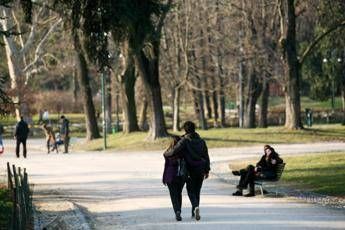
[[50, 138], [64, 132], [174, 176], [194, 150], [21, 135]]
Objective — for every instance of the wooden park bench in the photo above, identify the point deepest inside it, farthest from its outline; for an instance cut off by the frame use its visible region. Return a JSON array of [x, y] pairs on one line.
[[261, 182]]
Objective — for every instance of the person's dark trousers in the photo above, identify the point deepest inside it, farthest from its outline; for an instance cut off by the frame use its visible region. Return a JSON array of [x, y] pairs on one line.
[[194, 184], [48, 145], [175, 190], [21, 141], [247, 177], [66, 143]]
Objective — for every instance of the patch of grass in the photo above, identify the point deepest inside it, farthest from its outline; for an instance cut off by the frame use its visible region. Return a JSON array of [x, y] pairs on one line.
[[322, 173], [72, 117], [227, 137], [306, 102]]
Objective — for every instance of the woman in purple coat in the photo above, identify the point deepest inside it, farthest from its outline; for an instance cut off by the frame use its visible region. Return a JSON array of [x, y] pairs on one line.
[[174, 178]]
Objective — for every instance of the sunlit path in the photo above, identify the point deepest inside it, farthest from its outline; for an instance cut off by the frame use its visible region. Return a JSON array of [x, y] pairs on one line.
[[124, 191]]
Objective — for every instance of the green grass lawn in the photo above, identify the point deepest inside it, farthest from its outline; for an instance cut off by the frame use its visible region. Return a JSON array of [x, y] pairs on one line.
[[306, 102], [72, 117], [323, 173], [227, 137]]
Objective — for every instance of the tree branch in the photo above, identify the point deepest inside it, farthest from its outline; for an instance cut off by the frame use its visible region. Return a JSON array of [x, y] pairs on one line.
[[39, 49], [32, 34], [318, 39]]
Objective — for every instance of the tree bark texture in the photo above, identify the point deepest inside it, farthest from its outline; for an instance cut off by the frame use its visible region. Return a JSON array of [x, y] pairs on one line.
[[143, 116], [92, 130], [127, 91], [199, 106], [264, 105], [253, 92], [108, 102], [176, 115], [215, 104], [147, 62], [292, 70]]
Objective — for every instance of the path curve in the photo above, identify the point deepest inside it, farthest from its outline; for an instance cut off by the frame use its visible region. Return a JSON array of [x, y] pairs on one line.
[[123, 190]]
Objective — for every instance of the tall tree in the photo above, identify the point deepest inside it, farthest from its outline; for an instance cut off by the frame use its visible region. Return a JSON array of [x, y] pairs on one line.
[[25, 57]]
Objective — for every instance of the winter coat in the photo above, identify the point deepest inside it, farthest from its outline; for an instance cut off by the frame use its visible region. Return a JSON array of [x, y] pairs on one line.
[[265, 164], [194, 150], [64, 129], [170, 169], [22, 130]]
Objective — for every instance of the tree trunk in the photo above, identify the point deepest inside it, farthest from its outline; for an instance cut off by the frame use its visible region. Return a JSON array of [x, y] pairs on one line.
[[92, 130], [206, 99], [75, 87], [148, 68], [221, 102], [143, 116], [198, 104], [215, 103], [127, 92], [253, 92], [15, 66], [176, 115], [292, 70], [108, 102], [264, 105]]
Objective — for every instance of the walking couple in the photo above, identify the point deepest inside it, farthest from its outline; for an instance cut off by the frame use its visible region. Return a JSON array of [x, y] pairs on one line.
[[186, 161]]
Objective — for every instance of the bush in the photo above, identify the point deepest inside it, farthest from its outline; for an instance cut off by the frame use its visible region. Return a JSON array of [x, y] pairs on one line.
[[57, 102], [5, 207]]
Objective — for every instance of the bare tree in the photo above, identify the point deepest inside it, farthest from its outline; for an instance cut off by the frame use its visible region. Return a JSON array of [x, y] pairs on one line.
[[26, 54]]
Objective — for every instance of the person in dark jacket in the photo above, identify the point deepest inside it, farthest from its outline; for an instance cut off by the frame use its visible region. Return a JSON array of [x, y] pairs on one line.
[[265, 169], [195, 153], [174, 177], [64, 132], [21, 135]]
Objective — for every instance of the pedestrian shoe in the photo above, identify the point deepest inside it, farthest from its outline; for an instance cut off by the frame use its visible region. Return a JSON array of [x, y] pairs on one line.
[[240, 187], [237, 193], [178, 216], [250, 194], [236, 173], [197, 213]]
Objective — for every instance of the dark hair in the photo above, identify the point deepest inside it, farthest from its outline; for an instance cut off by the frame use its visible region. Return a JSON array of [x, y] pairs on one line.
[[174, 141], [62, 117], [269, 147], [21, 118], [189, 127]]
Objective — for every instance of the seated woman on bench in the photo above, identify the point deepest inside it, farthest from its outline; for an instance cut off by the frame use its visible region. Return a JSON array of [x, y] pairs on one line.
[[265, 169]]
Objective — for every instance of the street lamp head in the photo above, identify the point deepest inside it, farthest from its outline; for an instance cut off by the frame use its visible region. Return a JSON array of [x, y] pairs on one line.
[[339, 60], [325, 60]]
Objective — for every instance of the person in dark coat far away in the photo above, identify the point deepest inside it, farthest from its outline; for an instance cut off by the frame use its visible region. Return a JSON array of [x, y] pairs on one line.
[[265, 169], [195, 153], [21, 135], [174, 177]]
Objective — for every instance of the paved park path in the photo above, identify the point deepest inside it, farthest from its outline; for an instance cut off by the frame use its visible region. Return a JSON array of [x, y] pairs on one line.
[[119, 190]]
